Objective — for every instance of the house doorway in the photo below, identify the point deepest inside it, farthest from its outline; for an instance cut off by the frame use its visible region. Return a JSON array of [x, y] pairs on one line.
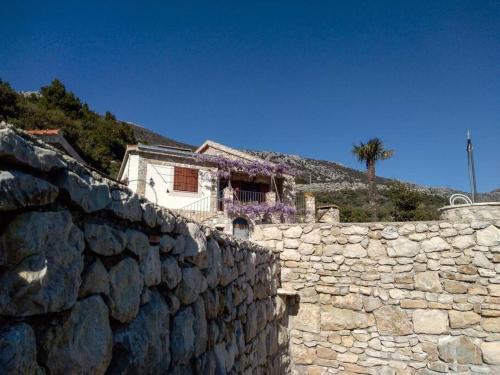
[[241, 229]]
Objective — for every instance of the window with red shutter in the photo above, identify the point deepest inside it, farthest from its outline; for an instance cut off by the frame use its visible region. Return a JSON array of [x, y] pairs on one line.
[[185, 179]]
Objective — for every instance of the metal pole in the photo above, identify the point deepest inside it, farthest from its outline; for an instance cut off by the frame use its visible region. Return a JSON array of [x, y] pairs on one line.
[[472, 171]]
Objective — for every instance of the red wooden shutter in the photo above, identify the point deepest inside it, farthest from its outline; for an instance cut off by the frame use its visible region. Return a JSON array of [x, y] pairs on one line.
[[186, 179]]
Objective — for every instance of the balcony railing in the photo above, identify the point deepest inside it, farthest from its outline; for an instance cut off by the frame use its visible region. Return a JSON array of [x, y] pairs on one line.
[[249, 196]]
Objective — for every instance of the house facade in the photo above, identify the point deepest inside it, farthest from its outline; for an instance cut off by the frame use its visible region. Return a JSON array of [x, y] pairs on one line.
[[216, 185]]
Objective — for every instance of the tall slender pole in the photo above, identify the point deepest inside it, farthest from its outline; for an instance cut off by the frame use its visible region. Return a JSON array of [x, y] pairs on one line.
[[472, 171]]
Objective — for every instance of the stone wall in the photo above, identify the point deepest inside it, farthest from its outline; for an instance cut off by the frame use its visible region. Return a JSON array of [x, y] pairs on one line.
[[95, 280], [391, 298], [468, 212]]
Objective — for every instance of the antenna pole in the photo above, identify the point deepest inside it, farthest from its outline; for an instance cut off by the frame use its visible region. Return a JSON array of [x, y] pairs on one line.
[[472, 171]]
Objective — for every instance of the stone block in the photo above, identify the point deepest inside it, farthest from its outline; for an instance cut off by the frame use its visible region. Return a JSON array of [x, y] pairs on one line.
[[392, 320], [432, 322]]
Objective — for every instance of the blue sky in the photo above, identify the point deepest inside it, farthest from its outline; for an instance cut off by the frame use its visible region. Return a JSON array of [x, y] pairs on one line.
[[300, 77]]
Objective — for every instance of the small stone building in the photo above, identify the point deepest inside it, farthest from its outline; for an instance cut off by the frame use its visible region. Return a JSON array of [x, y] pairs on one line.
[[217, 185]]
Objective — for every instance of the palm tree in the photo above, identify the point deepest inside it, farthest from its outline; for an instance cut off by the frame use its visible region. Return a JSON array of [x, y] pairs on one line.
[[370, 153]]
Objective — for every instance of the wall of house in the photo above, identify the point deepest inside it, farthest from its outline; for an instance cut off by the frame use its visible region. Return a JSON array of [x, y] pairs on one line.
[[95, 280], [391, 298]]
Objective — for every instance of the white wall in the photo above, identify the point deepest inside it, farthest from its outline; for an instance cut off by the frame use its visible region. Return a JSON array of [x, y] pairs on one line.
[[163, 192], [131, 172]]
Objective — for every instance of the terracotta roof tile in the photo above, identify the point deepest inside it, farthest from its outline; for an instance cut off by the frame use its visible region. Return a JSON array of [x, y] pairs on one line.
[[43, 132]]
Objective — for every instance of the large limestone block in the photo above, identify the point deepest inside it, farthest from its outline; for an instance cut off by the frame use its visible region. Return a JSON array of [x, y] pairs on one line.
[[354, 251], [214, 269], [402, 247], [489, 236], [491, 324], [83, 343], [355, 230], [143, 346], [18, 350], [126, 284], [463, 319], [86, 192], [480, 260], [390, 233], [182, 336], [200, 327], [313, 237], [272, 233], [428, 282], [432, 322], [491, 352], [42, 257], [392, 320], [104, 239], [376, 249], [435, 244], [293, 232], [19, 190], [171, 273], [334, 319], [137, 242], [151, 267], [16, 149], [307, 318], [350, 301], [125, 204], [302, 355], [195, 247], [459, 350], [463, 242], [193, 283]]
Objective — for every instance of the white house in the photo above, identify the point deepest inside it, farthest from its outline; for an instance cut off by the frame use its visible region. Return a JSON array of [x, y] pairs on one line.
[[216, 184]]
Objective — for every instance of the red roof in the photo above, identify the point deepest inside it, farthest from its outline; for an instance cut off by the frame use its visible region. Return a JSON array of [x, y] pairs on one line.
[[43, 132]]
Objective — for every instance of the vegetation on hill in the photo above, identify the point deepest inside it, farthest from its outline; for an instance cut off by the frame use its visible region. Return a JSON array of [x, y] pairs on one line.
[[398, 202]]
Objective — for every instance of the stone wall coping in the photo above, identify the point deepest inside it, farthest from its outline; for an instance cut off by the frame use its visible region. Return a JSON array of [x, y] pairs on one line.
[[482, 204]]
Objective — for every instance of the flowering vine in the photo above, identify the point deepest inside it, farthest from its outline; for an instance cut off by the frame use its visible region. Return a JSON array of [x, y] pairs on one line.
[[252, 168], [256, 210]]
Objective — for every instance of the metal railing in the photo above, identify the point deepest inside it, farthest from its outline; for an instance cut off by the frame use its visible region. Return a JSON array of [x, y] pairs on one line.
[[249, 196], [300, 208], [199, 210]]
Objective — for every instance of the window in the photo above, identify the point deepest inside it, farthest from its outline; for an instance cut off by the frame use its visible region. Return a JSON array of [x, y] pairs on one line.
[[185, 179]]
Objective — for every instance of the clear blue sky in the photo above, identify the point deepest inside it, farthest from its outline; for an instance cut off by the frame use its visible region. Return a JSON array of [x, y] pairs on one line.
[[308, 77]]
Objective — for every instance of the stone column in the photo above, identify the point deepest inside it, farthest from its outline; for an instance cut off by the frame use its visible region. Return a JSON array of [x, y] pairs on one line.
[[310, 205], [328, 214], [228, 195]]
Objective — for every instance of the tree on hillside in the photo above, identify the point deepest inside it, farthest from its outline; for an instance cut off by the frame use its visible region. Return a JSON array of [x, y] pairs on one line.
[[370, 153]]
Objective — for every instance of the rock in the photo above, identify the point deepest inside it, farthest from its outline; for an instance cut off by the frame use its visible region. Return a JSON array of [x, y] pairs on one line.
[[104, 239], [167, 243], [89, 194], [83, 343], [392, 320], [137, 242], [463, 242], [272, 233], [371, 303], [214, 258], [171, 273], [455, 287], [151, 267], [491, 324], [350, 301], [313, 237], [95, 280], [435, 244], [193, 283], [494, 290], [182, 336], [490, 236], [376, 249], [491, 352], [200, 327], [307, 318], [354, 230], [149, 215], [143, 346], [432, 322], [293, 232], [42, 257], [18, 150], [166, 220], [459, 350], [334, 319], [428, 281], [390, 233], [18, 350], [19, 190], [126, 287], [302, 355], [481, 261], [354, 251], [125, 204], [402, 247], [195, 247], [463, 319]]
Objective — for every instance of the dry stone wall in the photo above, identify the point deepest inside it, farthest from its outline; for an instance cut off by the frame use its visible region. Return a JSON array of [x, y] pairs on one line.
[[391, 298], [94, 280]]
